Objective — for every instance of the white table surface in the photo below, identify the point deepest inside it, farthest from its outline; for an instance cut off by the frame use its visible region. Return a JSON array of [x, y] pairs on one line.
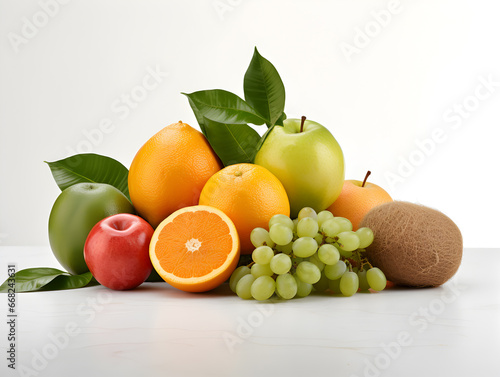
[[452, 330]]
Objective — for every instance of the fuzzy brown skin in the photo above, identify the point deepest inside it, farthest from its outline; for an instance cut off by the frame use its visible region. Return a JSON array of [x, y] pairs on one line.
[[414, 245]]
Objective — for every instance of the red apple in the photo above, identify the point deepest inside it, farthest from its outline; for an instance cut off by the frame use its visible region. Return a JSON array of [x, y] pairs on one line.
[[117, 251]]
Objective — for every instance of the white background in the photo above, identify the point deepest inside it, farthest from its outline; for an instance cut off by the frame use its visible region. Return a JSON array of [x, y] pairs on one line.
[[62, 80]]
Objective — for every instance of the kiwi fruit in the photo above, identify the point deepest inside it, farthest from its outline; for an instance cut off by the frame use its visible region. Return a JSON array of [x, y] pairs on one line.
[[414, 245]]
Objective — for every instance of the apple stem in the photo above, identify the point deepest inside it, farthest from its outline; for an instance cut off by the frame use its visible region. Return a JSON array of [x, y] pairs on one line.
[[302, 120], [366, 177]]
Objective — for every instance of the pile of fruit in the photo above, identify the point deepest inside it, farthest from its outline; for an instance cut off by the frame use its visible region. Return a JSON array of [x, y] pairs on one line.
[[271, 214]]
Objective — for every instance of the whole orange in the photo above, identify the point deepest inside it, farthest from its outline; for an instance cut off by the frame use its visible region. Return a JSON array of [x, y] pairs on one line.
[[169, 172], [249, 194], [357, 198]]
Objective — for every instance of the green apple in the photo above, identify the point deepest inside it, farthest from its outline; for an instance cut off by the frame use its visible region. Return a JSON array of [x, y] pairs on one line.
[[307, 160], [76, 210]]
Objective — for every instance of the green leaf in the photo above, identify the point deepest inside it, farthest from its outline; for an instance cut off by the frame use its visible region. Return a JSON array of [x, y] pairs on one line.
[[47, 279], [233, 143], [224, 107], [280, 120], [264, 90], [90, 167], [63, 282], [199, 116]]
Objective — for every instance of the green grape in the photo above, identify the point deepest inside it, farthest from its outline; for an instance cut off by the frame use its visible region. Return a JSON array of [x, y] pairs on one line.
[[263, 287], [307, 212], [308, 272], [348, 241], [344, 224], [258, 270], [330, 228], [349, 283], [295, 222], [281, 234], [376, 279], [334, 272], [323, 216], [315, 260], [259, 237], [322, 284], [262, 255], [334, 285], [328, 254], [243, 288], [236, 276], [304, 247], [286, 286], [286, 249], [365, 236], [281, 264], [307, 227], [303, 289], [363, 282], [319, 238], [281, 219]]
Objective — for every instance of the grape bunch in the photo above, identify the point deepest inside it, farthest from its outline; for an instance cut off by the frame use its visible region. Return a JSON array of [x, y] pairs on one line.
[[316, 251]]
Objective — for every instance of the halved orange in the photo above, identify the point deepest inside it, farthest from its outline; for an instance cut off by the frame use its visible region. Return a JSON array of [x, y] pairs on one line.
[[195, 249]]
